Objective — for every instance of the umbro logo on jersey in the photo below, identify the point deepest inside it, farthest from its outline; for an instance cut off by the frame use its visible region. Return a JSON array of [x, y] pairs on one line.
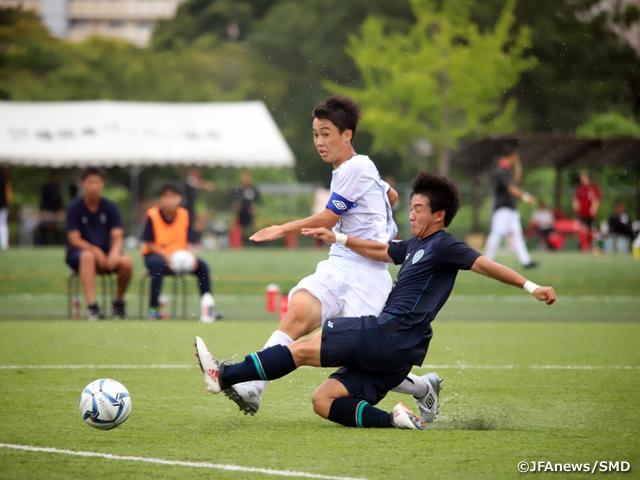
[[330, 324], [339, 205], [417, 256]]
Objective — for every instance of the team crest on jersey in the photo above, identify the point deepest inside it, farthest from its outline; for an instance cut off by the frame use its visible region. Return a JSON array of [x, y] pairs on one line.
[[417, 256], [339, 205]]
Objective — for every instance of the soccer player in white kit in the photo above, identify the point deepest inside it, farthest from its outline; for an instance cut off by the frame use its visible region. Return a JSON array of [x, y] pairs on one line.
[[346, 284], [506, 218]]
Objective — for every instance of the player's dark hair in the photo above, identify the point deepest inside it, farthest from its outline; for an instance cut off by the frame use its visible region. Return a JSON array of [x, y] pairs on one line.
[[342, 111], [87, 172], [169, 187], [442, 194]]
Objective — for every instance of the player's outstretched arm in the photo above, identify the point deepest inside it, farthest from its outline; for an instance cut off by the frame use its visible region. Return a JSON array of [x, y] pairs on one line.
[[326, 218], [367, 248], [504, 274]]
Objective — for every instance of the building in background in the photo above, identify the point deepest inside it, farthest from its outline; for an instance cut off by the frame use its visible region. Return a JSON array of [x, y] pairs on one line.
[[131, 20]]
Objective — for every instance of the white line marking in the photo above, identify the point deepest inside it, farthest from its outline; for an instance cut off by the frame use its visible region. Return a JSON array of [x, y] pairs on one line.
[[88, 367], [459, 366], [160, 461]]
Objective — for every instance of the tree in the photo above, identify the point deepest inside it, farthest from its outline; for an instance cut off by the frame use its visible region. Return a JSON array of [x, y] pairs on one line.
[[610, 124], [442, 81], [584, 68]]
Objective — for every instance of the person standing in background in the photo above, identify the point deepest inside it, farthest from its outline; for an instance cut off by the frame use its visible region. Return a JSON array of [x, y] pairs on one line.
[[5, 199], [192, 184], [244, 203], [586, 202], [506, 218]]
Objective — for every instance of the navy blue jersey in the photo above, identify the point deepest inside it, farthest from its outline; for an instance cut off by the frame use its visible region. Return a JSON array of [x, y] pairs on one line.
[[424, 283], [95, 227], [149, 236]]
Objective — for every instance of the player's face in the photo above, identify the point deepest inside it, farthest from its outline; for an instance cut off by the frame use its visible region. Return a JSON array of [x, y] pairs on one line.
[[169, 201], [93, 185], [330, 143], [421, 217]]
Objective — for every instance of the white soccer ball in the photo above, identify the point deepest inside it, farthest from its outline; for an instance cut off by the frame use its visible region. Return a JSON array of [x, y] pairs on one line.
[[105, 404], [182, 261]]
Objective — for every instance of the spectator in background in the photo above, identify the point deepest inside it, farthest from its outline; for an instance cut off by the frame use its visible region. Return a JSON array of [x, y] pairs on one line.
[[244, 203], [193, 183], [506, 218], [586, 202], [5, 199], [542, 220], [51, 209], [167, 230], [95, 240], [72, 191], [620, 223]]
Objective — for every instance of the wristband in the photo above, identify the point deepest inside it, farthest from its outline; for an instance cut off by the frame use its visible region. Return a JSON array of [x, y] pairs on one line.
[[341, 239], [530, 287], [526, 196]]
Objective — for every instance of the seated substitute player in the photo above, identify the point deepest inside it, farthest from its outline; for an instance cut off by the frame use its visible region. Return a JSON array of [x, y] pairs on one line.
[[375, 353], [94, 242], [167, 230], [346, 284]]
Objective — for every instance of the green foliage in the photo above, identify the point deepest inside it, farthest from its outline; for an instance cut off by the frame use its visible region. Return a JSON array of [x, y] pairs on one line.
[[583, 69], [442, 81], [610, 124], [197, 18]]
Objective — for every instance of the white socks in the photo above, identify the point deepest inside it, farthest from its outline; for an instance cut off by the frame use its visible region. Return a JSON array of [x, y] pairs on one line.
[[276, 338], [412, 385]]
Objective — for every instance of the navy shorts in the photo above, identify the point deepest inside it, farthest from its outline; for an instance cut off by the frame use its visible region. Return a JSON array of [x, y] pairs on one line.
[[73, 259], [369, 366]]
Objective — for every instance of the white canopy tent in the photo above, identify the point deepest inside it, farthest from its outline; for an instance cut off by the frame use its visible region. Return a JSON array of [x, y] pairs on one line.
[[106, 133], [138, 134]]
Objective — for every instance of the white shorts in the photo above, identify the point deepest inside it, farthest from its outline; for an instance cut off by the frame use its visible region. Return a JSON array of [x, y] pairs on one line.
[[505, 221], [347, 288]]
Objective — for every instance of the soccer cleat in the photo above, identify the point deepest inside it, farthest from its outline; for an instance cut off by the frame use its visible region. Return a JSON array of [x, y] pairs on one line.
[[428, 405], [246, 396], [94, 313], [154, 314], [209, 365], [402, 417], [118, 309], [531, 265]]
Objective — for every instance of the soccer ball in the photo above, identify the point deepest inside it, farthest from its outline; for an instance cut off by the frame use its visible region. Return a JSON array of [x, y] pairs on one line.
[[105, 404], [182, 261]]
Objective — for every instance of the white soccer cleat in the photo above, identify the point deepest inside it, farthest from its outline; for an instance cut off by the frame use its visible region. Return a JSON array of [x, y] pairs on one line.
[[428, 405], [209, 365], [246, 396], [402, 417]]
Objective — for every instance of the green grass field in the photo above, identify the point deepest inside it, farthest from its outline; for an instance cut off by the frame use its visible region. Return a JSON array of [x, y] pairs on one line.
[[523, 382]]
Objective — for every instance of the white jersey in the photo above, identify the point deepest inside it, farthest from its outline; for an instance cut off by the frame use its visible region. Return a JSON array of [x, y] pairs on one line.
[[359, 196]]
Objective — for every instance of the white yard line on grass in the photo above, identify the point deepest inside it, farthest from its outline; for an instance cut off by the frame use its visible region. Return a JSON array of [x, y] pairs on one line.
[[160, 461], [429, 367]]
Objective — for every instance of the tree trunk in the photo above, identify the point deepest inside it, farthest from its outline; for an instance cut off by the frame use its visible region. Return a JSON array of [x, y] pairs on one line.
[[445, 143]]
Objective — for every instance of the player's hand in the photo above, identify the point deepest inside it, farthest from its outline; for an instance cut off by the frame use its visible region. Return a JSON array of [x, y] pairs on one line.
[[321, 233], [101, 259], [268, 234], [545, 294], [113, 260]]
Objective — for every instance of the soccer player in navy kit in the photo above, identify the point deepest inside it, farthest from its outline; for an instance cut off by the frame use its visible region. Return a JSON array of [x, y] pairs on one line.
[[95, 240], [375, 353]]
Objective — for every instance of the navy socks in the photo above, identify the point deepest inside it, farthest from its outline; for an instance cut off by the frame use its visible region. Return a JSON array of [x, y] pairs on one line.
[[268, 364], [353, 412]]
